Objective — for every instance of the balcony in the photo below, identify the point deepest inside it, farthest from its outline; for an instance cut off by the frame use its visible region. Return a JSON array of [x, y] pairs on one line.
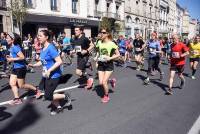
[[54, 8], [99, 14], [3, 5]]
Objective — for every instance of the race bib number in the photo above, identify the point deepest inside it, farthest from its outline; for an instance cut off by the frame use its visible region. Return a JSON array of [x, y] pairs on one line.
[[137, 49], [152, 51], [4, 47], [175, 55], [195, 52], [44, 70], [102, 58], [78, 48]]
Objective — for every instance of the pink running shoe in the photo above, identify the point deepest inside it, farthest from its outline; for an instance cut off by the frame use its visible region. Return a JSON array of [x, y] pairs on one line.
[[113, 82], [105, 99], [89, 83], [16, 101]]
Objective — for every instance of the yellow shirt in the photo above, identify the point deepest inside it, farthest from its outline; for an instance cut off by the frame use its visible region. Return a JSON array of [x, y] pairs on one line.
[[194, 50], [106, 48]]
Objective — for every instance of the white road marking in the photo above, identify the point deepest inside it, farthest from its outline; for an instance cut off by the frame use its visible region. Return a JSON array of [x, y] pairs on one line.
[[56, 91], [196, 127]]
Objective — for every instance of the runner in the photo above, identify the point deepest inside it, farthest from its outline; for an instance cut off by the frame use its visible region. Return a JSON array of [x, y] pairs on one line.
[[177, 60], [194, 55], [154, 49], [83, 46], [139, 47], [66, 48], [122, 49], [107, 52], [4, 50], [17, 77], [129, 49], [51, 61]]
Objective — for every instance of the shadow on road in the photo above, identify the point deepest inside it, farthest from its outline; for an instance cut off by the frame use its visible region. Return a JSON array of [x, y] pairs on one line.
[[3, 114], [65, 78], [99, 90], [5, 87], [154, 81], [26, 117]]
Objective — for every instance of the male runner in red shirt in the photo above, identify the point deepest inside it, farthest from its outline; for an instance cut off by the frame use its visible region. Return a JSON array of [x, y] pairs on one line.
[[178, 53]]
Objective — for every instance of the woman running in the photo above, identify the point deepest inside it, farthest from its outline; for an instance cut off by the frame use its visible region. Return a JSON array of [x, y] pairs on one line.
[[18, 74], [51, 62], [154, 49], [107, 52]]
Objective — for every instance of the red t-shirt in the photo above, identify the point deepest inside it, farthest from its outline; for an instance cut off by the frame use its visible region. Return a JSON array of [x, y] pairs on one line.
[[176, 51]]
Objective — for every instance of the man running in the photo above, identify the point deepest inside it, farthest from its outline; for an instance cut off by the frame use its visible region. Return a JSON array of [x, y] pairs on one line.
[[83, 46], [194, 55], [178, 53]]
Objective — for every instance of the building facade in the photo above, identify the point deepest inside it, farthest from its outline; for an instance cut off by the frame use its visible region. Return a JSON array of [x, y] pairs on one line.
[[186, 23], [164, 12], [64, 15], [172, 17], [5, 19], [112, 9], [141, 16], [179, 18], [193, 28]]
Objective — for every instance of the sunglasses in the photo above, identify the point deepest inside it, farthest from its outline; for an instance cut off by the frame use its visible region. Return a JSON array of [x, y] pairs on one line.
[[103, 32]]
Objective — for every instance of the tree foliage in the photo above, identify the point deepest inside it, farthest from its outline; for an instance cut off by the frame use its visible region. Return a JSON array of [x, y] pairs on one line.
[[18, 11]]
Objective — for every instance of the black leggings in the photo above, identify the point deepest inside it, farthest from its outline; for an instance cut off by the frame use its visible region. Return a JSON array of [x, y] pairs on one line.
[[49, 86], [153, 63]]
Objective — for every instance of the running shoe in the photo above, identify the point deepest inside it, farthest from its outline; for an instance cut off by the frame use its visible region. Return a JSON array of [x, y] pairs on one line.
[[113, 82], [193, 77], [182, 84], [169, 92], [138, 68], [89, 83], [16, 101], [55, 110], [146, 81], [67, 99], [37, 93], [105, 99]]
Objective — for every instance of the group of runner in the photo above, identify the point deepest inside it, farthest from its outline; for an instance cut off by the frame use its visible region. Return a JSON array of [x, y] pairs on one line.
[[50, 55]]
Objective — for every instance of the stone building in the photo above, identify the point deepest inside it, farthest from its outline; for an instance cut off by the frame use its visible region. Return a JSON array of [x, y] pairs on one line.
[[141, 16], [5, 19]]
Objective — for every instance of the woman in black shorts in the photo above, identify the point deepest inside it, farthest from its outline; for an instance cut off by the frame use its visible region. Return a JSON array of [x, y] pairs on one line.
[[107, 52]]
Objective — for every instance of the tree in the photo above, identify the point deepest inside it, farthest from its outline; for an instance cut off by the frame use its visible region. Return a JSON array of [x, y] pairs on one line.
[[18, 11], [107, 23]]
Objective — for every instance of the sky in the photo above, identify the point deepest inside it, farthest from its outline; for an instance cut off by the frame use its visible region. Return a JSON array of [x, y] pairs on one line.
[[193, 6]]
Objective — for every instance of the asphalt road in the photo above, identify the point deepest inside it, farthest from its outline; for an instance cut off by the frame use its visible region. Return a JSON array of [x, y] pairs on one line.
[[133, 108]]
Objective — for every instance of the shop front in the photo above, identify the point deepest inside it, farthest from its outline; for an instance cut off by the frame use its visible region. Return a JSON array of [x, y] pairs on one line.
[[57, 25]]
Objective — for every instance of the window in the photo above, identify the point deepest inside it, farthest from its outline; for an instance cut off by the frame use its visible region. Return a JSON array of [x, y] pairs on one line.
[[28, 3], [1, 24], [54, 5], [74, 6], [2, 4]]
